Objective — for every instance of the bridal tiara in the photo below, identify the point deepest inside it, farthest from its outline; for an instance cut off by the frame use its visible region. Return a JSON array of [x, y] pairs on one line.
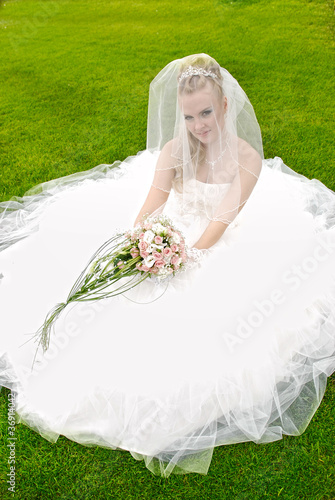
[[191, 71]]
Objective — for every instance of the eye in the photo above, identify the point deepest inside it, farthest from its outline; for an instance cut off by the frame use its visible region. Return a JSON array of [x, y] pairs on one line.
[[188, 117], [207, 112]]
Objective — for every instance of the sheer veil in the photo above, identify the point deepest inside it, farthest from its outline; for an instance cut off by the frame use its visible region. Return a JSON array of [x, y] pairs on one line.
[[203, 120]]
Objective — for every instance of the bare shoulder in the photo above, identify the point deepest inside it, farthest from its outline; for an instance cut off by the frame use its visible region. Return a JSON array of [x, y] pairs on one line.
[[166, 156], [249, 157], [247, 153], [171, 146]]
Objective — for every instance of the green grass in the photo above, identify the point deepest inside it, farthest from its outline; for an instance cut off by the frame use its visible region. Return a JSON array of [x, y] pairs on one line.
[[74, 89]]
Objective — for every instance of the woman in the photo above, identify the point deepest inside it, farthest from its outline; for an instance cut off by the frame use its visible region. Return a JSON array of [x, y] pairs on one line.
[[206, 148], [236, 348]]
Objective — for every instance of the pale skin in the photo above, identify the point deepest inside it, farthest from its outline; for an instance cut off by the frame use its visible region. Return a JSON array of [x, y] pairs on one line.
[[204, 117]]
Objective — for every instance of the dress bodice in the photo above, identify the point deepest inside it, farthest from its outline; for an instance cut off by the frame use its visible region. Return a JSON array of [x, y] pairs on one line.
[[200, 198], [193, 209]]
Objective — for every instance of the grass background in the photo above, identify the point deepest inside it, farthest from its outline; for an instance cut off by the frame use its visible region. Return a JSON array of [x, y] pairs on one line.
[[74, 89]]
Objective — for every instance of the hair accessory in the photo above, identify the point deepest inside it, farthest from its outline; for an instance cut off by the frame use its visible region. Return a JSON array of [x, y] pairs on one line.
[[191, 71]]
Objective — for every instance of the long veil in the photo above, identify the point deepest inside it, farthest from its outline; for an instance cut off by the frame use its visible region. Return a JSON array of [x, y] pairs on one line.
[[201, 115]]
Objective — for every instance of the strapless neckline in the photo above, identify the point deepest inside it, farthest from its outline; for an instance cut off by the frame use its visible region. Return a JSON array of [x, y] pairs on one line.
[[213, 184]]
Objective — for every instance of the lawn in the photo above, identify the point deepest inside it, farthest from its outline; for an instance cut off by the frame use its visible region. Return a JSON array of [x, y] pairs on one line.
[[74, 90]]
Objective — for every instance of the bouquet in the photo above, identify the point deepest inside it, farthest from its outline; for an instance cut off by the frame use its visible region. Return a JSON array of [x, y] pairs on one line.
[[154, 248]]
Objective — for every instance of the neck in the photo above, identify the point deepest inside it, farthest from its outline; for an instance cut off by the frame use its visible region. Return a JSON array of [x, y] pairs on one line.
[[217, 148]]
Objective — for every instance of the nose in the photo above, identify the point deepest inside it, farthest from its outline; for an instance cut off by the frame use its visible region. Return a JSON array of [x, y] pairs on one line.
[[198, 124]]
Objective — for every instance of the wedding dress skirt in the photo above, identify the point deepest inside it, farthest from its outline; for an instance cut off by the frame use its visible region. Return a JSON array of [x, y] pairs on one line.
[[237, 348]]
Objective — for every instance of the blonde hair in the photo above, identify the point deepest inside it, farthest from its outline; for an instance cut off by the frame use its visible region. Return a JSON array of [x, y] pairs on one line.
[[189, 83]]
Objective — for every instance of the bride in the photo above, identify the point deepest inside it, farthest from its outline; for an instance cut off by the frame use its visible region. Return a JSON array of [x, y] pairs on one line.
[[238, 347]]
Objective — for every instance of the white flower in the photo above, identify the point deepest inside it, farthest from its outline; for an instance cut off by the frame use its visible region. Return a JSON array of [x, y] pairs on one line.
[[175, 238], [148, 236], [163, 272], [158, 228], [157, 247], [149, 261]]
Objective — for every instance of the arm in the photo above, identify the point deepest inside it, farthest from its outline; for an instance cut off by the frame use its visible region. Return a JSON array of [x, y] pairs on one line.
[[240, 189], [162, 183]]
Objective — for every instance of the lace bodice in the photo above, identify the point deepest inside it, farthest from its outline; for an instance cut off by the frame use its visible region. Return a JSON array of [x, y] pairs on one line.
[[200, 198], [193, 209]]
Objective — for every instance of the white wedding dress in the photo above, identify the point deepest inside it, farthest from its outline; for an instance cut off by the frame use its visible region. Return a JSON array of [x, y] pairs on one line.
[[237, 348]]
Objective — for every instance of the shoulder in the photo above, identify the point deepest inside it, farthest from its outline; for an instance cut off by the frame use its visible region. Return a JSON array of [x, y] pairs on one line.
[[171, 146], [247, 152], [248, 156], [168, 153]]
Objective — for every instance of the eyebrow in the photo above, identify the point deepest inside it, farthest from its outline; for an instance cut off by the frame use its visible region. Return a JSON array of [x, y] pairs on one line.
[[206, 109]]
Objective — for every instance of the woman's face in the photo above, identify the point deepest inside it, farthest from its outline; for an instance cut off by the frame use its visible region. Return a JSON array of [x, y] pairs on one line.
[[203, 112]]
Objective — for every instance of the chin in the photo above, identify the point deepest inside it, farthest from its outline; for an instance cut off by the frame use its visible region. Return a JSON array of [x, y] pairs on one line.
[[205, 139]]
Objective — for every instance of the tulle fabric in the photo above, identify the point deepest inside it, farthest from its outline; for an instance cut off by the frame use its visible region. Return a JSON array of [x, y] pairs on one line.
[[235, 349]]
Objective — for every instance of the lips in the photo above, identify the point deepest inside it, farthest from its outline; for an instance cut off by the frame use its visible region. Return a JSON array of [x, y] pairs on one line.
[[203, 134]]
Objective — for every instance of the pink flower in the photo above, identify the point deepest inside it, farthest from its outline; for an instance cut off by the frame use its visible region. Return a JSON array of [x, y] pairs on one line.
[[142, 245], [145, 269], [147, 226], [167, 252], [175, 260], [141, 236], [134, 252], [174, 248], [138, 266], [144, 254], [156, 255], [158, 240], [160, 264], [154, 270]]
